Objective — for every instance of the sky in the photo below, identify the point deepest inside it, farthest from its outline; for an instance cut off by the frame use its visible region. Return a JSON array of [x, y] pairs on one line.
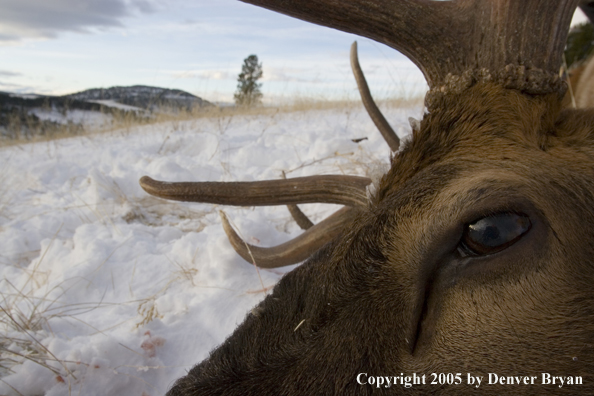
[[56, 47]]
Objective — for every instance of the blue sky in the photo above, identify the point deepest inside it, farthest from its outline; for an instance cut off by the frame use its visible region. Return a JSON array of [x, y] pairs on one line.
[[64, 46]]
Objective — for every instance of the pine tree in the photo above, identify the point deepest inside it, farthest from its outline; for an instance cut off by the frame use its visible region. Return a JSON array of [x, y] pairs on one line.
[[248, 89]]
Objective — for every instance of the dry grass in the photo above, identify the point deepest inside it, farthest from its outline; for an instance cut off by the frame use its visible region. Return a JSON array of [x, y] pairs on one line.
[[24, 319], [124, 122]]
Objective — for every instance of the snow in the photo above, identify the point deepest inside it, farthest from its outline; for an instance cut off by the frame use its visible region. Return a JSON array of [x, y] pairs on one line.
[[117, 105], [91, 120], [122, 293]]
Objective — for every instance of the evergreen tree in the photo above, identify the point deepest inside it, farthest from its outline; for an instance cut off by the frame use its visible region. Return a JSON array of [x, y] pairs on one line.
[[248, 89]]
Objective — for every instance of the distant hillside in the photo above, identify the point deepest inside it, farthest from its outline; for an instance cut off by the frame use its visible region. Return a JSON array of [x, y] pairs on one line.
[[29, 101], [144, 97], [26, 115]]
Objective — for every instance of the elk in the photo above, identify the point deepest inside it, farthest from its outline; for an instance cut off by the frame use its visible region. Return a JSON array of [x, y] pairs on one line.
[[472, 256]]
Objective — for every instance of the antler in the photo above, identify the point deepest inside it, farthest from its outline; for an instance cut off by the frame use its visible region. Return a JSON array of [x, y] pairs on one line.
[[295, 250], [345, 190], [300, 218], [336, 189], [350, 191], [446, 39], [376, 115]]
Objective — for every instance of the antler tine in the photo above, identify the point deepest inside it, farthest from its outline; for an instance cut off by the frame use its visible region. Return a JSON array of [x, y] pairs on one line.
[[295, 250], [300, 218], [374, 112], [336, 189]]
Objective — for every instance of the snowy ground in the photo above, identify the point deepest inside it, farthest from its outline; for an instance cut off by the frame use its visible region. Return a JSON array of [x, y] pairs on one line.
[[92, 120], [108, 291]]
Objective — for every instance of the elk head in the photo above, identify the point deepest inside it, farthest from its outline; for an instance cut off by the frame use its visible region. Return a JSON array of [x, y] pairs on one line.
[[475, 253]]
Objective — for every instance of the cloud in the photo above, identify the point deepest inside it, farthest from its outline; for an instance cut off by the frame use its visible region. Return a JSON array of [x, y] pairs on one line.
[[22, 19], [284, 74], [290, 75], [8, 37], [15, 88], [7, 73], [204, 74], [217, 75]]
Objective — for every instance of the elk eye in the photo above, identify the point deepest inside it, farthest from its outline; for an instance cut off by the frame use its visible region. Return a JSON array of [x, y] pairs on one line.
[[493, 233]]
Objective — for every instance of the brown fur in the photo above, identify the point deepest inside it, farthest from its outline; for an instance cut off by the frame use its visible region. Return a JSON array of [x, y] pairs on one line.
[[393, 295]]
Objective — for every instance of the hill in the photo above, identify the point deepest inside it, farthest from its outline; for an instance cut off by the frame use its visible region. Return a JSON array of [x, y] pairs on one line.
[[24, 116], [142, 96]]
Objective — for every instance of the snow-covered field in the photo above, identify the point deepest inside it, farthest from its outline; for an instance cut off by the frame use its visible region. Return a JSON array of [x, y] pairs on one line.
[[92, 120], [106, 290]]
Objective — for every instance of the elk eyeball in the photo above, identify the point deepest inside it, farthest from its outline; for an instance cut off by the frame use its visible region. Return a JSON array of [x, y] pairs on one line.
[[493, 233]]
